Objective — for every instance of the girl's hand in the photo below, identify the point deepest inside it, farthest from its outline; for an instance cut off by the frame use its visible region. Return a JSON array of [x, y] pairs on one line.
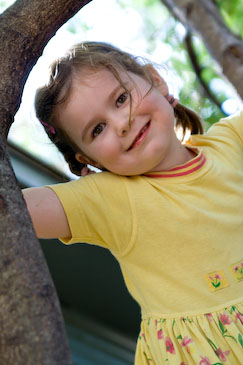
[[46, 212]]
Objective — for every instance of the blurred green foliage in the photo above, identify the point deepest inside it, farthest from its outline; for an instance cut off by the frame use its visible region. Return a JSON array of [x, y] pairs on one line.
[[160, 26], [232, 12]]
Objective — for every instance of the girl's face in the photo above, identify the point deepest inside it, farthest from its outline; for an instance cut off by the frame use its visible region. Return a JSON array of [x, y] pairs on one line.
[[96, 117]]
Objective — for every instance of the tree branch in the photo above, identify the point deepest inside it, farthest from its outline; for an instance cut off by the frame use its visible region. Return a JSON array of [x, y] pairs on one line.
[[198, 70], [31, 325], [225, 47], [26, 27]]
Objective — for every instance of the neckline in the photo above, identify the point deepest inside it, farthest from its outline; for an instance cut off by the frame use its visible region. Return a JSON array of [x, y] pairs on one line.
[[181, 170]]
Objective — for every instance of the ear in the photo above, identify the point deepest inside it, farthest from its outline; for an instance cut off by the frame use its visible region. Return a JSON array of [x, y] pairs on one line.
[[86, 160], [158, 80]]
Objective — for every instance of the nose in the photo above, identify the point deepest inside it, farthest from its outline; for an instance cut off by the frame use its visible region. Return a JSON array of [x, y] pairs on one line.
[[122, 124]]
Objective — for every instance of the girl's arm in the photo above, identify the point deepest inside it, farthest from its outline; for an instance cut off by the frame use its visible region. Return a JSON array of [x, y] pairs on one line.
[[47, 214]]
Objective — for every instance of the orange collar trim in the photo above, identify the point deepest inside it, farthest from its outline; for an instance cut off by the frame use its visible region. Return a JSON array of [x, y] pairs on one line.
[[182, 170]]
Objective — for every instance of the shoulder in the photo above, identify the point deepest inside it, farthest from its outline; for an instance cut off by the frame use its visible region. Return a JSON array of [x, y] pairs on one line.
[[229, 127], [101, 181], [96, 190], [227, 132]]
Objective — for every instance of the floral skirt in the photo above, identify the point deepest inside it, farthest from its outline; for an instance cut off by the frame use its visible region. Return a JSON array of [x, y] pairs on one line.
[[209, 339]]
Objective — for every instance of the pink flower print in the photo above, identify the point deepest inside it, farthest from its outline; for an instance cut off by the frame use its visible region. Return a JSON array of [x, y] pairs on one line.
[[209, 316], [205, 361], [160, 335], [185, 342], [239, 316], [225, 319], [169, 345], [222, 354], [155, 322], [236, 268], [143, 335]]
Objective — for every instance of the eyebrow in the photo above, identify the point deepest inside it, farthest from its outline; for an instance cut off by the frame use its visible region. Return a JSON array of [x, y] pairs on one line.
[[93, 120]]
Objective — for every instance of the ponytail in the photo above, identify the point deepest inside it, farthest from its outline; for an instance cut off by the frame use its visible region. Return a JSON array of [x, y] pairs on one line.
[[187, 120]]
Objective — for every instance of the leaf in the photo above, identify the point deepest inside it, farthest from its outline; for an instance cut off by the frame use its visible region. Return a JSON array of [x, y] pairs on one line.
[[215, 285], [179, 337], [212, 344], [240, 339], [223, 330]]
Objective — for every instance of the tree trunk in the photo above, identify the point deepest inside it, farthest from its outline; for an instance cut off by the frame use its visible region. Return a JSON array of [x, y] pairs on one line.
[[31, 324], [225, 47]]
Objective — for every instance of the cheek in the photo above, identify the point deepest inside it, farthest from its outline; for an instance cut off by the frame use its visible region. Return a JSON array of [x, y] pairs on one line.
[[103, 151]]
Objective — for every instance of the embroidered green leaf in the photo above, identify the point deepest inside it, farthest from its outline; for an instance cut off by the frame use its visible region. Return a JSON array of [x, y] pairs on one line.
[[232, 309], [173, 323], [240, 339], [223, 330], [216, 285], [179, 337]]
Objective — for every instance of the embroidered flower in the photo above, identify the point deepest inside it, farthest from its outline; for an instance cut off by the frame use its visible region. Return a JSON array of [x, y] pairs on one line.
[[205, 361], [160, 335], [239, 316], [209, 316], [225, 319], [216, 280], [222, 354], [239, 269], [185, 342], [169, 345]]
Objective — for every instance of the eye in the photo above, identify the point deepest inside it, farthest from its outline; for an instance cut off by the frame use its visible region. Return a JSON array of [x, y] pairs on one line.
[[98, 129], [122, 98]]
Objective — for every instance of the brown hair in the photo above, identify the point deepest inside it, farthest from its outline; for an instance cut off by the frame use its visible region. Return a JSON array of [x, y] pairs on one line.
[[92, 55]]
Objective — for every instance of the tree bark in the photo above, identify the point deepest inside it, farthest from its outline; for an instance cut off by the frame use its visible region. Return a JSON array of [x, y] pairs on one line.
[[225, 47], [31, 324]]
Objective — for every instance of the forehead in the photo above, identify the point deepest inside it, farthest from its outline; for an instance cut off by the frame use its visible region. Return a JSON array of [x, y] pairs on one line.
[[96, 78]]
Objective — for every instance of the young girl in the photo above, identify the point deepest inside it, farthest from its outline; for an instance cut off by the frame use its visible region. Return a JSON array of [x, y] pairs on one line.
[[171, 213]]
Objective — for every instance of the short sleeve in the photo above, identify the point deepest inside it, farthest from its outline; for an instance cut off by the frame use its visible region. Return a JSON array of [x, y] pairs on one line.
[[230, 127], [98, 210]]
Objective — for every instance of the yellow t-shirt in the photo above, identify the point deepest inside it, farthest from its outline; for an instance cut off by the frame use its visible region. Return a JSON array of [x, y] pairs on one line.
[[177, 234]]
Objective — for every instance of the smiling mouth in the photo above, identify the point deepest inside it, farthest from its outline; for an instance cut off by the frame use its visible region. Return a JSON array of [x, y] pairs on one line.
[[140, 137]]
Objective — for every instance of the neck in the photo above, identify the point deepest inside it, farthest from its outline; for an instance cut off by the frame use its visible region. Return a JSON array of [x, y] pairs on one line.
[[180, 155]]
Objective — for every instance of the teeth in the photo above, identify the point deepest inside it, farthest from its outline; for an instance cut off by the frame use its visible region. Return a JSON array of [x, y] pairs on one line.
[[142, 131]]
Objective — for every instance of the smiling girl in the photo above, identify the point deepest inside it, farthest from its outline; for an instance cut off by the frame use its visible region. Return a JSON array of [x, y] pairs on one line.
[[170, 212]]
